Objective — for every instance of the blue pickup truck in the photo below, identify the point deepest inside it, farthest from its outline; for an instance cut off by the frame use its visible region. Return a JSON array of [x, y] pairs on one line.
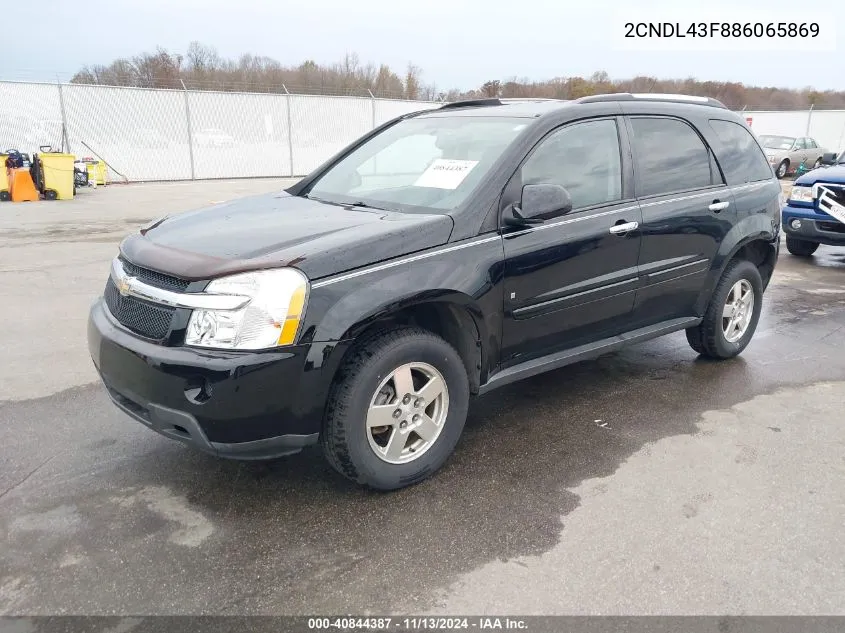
[[815, 211]]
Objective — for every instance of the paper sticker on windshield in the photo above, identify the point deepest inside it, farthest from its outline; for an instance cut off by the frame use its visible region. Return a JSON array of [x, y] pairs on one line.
[[445, 173]]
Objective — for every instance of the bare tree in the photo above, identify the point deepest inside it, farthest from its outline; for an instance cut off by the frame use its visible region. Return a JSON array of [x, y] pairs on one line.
[[202, 68], [412, 82]]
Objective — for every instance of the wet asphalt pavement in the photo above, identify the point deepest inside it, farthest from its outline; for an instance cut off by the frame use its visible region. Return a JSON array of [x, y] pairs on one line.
[[647, 481]]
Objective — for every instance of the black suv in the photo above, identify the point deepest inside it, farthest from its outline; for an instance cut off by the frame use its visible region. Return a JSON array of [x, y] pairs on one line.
[[444, 254]]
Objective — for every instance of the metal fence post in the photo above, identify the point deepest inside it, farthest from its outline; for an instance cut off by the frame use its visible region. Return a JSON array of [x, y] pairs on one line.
[[809, 118], [65, 140], [290, 130], [373, 106], [190, 131], [838, 148], [373, 124]]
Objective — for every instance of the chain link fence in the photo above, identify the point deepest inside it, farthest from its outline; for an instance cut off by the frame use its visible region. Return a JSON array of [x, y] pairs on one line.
[[152, 134], [145, 134]]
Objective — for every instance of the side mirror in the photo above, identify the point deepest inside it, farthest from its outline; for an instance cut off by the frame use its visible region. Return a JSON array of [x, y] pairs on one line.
[[829, 158], [539, 203]]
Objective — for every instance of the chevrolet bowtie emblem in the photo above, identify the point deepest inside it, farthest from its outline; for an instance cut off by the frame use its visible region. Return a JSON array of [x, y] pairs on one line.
[[123, 287]]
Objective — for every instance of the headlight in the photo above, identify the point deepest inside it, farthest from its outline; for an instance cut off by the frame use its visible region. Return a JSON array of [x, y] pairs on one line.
[[271, 318], [801, 194]]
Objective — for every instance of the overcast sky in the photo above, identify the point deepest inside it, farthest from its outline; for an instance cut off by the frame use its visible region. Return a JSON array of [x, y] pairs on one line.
[[457, 43]]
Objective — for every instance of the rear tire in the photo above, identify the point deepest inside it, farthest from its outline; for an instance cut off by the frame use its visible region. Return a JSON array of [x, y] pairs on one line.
[[4, 196], [801, 248], [715, 337], [354, 434]]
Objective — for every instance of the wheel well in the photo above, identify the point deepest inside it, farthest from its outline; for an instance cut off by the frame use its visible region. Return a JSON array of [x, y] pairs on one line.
[[762, 255], [451, 322]]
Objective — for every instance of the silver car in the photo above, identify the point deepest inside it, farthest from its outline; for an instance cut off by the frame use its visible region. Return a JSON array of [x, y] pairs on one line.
[[787, 153]]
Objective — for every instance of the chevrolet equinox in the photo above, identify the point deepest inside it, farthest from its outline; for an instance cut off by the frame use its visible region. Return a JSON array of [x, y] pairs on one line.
[[444, 254]]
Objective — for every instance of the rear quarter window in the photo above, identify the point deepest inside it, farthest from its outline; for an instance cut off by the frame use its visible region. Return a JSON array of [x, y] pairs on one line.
[[740, 157]]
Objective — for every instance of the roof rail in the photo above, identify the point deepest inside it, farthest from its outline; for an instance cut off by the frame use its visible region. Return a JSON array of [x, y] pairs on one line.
[[648, 96], [472, 103], [529, 99]]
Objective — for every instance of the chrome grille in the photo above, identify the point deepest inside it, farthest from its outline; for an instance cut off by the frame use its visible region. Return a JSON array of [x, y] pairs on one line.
[[154, 278], [827, 194], [147, 319]]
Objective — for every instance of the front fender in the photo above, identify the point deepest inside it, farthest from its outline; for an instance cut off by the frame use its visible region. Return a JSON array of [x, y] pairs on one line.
[[469, 278]]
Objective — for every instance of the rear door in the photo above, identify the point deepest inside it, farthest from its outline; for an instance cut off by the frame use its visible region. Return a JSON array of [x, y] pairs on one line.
[[745, 168], [687, 211]]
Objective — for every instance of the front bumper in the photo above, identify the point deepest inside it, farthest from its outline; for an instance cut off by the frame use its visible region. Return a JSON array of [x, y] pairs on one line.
[[815, 227], [241, 405]]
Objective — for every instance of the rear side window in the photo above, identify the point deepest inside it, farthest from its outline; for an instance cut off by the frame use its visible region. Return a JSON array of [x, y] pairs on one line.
[[671, 157], [740, 157]]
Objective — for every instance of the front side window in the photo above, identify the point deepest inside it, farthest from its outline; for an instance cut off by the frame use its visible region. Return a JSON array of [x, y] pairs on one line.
[[584, 158], [671, 157], [740, 157], [811, 144], [800, 144], [427, 163]]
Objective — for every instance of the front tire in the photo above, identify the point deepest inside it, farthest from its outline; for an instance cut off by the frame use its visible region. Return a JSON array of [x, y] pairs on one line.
[[801, 248], [732, 316], [782, 168], [396, 410]]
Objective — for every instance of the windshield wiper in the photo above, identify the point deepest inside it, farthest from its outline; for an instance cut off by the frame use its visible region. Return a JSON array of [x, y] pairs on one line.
[[357, 203], [308, 196], [365, 205]]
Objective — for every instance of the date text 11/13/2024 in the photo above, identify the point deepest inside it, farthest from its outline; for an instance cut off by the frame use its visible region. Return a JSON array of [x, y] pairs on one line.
[[373, 624], [779, 30]]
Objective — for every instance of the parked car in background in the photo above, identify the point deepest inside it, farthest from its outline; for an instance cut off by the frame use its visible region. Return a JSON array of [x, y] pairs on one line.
[[815, 211], [786, 153], [363, 306]]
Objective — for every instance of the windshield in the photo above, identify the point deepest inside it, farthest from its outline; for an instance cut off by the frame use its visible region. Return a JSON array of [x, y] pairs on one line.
[[425, 162], [777, 142]]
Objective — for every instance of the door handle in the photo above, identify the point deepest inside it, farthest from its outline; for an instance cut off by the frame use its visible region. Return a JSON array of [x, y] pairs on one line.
[[622, 229], [717, 206]]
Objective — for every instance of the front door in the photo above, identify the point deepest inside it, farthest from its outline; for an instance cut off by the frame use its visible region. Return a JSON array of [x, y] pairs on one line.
[[572, 279]]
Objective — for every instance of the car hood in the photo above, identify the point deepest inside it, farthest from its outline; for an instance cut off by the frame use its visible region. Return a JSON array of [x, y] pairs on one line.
[[835, 174], [273, 230]]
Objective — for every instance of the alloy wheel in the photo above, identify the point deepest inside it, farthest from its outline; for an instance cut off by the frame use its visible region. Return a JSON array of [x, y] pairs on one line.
[[738, 310], [407, 413]]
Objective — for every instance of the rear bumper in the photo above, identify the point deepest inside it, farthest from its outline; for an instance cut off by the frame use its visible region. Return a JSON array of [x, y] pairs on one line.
[[241, 405], [815, 227]]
